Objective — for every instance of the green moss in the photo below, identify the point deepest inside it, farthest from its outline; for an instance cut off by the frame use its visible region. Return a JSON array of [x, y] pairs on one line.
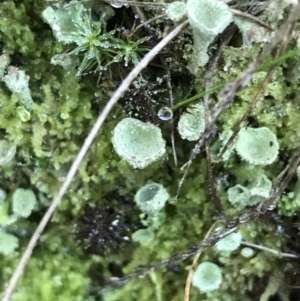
[[18, 38], [48, 135], [58, 279]]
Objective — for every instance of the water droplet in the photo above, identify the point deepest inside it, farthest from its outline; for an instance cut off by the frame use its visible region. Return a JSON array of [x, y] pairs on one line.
[[165, 113]]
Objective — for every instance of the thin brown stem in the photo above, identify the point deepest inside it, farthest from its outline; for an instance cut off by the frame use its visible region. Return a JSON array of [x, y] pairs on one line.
[[252, 18], [193, 266]]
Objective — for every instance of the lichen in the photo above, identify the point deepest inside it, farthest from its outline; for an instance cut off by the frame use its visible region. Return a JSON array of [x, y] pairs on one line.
[[230, 242], [207, 19], [207, 277], [8, 243], [176, 11], [151, 198], [138, 143], [23, 202], [47, 135], [257, 146], [192, 122]]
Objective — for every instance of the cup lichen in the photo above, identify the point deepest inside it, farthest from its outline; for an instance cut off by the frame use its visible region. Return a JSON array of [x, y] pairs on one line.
[[207, 277], [7, 152], [151, 198], [137, 142], [258, 146]]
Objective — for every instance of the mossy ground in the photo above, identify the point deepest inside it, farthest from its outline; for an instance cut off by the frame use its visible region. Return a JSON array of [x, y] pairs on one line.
[[64, 109]]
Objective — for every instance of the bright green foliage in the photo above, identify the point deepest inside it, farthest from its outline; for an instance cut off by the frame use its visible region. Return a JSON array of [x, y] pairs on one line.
[[74, 24], [54, 276], [137, 142], [4, 207], [151, 198], [273, 285], [207, 277], [24, 202], [176, 11], [192, 123], [230, 242], [7, 152], [290, 202], [257, 146], [8, 243]]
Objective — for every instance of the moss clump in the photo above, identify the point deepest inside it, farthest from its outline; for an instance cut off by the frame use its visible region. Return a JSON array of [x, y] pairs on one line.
[[58, 279], [8, 243]]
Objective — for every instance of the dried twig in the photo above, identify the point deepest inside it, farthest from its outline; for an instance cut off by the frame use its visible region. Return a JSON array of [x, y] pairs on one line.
[[277, 253]]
